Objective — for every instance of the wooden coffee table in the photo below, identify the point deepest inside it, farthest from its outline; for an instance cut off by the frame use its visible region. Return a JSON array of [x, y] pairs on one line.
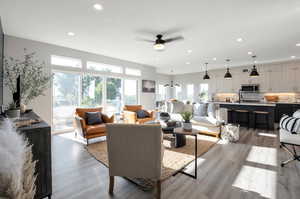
[[194, 132]]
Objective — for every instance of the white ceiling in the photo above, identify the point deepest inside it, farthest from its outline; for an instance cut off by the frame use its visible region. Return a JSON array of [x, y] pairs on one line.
[[270, 29]]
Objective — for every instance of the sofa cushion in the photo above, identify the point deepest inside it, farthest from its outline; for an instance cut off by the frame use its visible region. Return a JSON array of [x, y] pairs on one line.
[[211, 110], [93, 118], [142, 114], [205, 121], [133, 108], [177, 107], [94, 129], [200, 109]]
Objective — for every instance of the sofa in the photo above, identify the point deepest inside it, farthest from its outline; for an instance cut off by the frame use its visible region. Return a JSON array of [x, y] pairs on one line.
[[90, 131], [206, 116], [130, 115]]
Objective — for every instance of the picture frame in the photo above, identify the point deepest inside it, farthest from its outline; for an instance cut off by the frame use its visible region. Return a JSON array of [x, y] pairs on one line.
[[148, 86]]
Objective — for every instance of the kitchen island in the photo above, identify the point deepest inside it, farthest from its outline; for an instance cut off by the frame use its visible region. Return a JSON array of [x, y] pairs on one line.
[[251, 115]]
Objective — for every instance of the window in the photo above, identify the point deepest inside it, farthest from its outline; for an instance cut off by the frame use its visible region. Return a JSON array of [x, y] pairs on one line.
[[203, 95], [178, 94], [130, 92], [65, 61], [92, 91], [104, 67], [66, 96], [113, 95], [190, 92], [132, 71], [161, 95]]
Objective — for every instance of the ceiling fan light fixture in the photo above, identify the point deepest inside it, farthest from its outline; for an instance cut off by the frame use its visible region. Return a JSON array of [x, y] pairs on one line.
[[159, 46]]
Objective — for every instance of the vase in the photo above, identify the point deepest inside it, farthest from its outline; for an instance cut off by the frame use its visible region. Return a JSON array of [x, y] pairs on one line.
[[13, 113], [23, 108], [187, 126]]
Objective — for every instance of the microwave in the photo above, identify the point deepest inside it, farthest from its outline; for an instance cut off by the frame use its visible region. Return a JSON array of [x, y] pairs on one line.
[[250, 88]]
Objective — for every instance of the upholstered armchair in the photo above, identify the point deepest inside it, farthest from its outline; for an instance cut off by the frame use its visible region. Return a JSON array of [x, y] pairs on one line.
[[135, 151], [130, 115], [90, 131]]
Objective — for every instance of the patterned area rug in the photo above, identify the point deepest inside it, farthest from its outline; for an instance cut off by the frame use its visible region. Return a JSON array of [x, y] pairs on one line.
[[175, 159]]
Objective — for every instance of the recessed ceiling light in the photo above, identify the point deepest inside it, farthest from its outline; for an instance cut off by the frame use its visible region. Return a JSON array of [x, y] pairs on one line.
[[188, 63], [98, 6], [239, 40], [215, 59], [250, 53], [189, 51], [298, 44], [293, 57], [71, 33]]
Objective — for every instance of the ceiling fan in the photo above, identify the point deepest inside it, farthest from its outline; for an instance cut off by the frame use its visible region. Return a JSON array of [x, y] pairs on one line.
[[159, 43]]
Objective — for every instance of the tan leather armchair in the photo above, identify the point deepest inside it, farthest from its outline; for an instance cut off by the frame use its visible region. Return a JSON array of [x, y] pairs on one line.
[[130, 116], [90, 131], [135, 151]]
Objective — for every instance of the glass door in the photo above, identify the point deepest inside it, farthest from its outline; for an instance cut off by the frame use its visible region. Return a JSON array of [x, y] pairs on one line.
[[92, 91], [66, 97], [113, 95], [130, 92]]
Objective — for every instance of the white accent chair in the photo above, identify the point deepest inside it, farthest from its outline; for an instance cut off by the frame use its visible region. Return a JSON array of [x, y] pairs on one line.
[[292, 140], [135, 151]]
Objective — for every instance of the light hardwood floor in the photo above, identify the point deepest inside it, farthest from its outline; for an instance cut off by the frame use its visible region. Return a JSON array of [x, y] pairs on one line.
[[248, 169]]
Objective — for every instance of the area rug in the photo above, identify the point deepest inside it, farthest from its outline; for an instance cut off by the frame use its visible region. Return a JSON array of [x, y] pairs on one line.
[[175, 159]]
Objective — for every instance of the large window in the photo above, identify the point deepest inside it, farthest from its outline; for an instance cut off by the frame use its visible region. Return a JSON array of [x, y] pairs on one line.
[[178, 94], [65, 61], [130, 92], [113, 95], [161, 94], [203, 95], [103, 67], [66, 97], [190, 92], [132, 71], [92, 91]]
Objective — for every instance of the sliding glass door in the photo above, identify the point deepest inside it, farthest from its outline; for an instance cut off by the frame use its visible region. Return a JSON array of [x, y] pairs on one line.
[[66, 97], [113, 95], [130, 92], [92, 91]]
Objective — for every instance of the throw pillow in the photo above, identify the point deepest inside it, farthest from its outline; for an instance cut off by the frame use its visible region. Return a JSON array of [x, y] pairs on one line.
[[142, 114], [297, 114], [211, 110], [200, 109], [93, 118], [290, 124]]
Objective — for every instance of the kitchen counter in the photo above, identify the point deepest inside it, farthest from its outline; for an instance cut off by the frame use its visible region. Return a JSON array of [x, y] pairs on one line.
[[248, 103]]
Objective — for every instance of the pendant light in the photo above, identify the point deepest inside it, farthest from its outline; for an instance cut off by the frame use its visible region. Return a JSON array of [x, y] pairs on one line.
[[206, 76], [172, 85], [254, 72], [227, 74]]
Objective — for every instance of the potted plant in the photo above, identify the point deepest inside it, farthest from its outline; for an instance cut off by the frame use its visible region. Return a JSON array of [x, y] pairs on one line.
[[13, 111], [187, 116]]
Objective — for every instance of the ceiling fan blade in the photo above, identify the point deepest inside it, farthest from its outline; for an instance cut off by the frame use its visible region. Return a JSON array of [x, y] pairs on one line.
[[146, 40], [172, 30], [174, 39]]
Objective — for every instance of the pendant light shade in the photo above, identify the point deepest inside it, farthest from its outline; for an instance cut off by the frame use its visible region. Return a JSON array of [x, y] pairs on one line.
[[254, 72], [228, 74], [206, 76]]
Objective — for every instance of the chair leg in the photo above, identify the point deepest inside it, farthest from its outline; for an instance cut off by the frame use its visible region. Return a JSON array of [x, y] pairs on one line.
[[87, 141], [293, 154], [111, 184], [158, 189]]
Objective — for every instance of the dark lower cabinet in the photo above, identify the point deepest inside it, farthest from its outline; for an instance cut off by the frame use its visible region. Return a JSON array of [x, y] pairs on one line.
[[39, 135]]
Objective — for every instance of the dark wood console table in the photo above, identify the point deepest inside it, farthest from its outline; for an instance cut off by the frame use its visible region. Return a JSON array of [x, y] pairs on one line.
[[39, 135]]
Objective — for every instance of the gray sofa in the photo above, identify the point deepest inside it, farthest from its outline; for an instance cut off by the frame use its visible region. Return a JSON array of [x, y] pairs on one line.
[[206, 116]]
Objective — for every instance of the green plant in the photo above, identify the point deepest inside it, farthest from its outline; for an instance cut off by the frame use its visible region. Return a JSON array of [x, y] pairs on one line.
[[12, 106], [187, 116], [34, 80]]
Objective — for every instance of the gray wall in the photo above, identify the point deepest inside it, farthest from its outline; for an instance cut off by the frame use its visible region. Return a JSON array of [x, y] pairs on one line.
[[42, 105]]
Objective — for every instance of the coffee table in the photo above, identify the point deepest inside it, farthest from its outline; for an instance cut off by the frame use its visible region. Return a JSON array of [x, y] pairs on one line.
[[194, 132]]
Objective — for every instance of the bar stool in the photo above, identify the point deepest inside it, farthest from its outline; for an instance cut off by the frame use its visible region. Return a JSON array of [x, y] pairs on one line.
[[265, 114], [238, 119]]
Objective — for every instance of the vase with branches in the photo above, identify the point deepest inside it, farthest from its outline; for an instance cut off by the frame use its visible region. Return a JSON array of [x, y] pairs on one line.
[[34, 80]]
